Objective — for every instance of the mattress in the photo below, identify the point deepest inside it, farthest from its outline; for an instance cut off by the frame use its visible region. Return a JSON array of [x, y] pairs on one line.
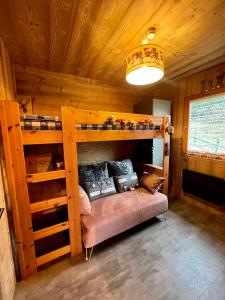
[[40, 122]]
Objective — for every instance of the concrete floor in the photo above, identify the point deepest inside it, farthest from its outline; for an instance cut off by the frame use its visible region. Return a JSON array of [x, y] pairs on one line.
[[180, 258]]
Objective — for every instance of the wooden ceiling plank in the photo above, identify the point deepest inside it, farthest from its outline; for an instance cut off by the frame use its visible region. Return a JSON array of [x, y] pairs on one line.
[[11, 33], [129, 34], [184, 27], [91, 38], [131, 23], [32, 21], [80, 29], [107, 20], [60, 14]]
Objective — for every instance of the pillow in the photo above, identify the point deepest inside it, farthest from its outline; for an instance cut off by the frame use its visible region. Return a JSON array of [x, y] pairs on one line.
[[85, 206], [93, 172], [126, 182], [118, 168], [99, 189], [151, 182]]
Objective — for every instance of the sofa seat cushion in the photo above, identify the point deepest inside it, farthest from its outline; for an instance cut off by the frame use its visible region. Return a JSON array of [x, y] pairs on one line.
[[114, 214]]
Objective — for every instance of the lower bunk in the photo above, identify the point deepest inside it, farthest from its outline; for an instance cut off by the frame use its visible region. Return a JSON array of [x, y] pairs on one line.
[[114, 214], [130, 204]]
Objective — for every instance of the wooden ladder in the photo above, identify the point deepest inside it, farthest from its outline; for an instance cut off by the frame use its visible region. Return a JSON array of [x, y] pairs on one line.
[[14, 141]]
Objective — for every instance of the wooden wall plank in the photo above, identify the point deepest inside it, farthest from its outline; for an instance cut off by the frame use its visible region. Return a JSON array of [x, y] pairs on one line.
[[7, 273], [7, 268], [176, 91], [51, 90], [7, 77]]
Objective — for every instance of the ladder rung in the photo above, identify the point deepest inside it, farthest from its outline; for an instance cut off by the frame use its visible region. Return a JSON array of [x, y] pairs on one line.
[[47, 204], [52, 255], [45, 176], [39, 234]]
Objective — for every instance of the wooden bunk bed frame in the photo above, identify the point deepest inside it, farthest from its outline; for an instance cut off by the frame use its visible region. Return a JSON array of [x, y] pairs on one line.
[[14, 140]]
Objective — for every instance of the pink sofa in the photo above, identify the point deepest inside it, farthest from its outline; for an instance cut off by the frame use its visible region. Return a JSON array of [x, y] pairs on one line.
[[114, 214]]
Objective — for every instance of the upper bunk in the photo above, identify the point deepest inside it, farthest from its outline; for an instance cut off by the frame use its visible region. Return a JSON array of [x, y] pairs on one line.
[[93, 126]]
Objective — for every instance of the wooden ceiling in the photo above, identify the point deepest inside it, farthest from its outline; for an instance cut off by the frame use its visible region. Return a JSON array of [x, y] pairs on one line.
[[91, 38]]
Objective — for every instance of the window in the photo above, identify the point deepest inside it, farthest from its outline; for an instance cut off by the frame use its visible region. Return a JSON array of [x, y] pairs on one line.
[[206, 125]]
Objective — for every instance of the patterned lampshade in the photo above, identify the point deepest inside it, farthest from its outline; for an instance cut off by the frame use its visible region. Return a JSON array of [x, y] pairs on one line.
[[145, 64]]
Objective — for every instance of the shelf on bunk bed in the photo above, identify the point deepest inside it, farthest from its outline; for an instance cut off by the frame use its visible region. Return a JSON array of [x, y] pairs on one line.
[[116, 135], [45, 176], [43, 259], [39, 234], [35, 137], [48, 204]]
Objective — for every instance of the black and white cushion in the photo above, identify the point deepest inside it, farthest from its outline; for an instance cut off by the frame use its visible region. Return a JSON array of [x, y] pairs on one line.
[[127, 182], [98, 189]]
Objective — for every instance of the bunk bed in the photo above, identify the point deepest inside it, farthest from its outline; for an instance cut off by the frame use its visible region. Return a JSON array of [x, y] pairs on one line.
[[76, 126]]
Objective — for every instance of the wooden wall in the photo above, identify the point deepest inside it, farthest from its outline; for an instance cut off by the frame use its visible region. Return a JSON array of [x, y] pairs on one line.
[[7, 273], [93, 152], [176, 91], [7, 78], [50, 90], [45, 92]]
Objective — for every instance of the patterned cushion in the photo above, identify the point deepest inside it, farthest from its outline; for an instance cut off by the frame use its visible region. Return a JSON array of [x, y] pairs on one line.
[[94, 172], [99, 189], [118, 168], [126, 182], [151, 182]]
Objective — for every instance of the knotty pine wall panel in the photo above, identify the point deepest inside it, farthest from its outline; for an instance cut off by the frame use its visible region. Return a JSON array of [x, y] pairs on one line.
[[93, 152], [51, 90], [176, 91], [7, 270]]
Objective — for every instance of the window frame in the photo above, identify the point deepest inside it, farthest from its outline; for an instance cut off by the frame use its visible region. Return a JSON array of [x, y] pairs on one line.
[[187, 101]]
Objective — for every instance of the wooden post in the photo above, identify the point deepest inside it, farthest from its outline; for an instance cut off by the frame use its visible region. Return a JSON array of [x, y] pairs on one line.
[[166, 150], [16, 174], [71, 168]]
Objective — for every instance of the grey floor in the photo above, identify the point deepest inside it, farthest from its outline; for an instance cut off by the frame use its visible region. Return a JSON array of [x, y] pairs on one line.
[[180, 258]]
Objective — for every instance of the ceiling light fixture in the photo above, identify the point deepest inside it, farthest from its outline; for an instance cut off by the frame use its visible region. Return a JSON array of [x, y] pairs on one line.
[[145, 63]]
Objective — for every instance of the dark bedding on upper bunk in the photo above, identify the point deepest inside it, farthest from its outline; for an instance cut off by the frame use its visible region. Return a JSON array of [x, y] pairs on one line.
[[39, 122]]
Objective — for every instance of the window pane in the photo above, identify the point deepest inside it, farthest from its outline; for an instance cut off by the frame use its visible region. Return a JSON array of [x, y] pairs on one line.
[[206, 132]]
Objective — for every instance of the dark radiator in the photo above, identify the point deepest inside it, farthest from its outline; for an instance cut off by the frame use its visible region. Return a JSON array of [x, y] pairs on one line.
[[209, 188]]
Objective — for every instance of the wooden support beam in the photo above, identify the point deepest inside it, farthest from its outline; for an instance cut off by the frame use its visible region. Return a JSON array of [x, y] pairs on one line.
[[71, 168], [166, 152], [16, 174], [116, 135]]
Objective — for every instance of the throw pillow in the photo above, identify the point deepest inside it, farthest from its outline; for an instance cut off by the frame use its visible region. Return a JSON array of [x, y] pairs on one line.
[[151, 182], [126, 182], [85, 206], [88, 173], [118, 168], [98, 189]]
